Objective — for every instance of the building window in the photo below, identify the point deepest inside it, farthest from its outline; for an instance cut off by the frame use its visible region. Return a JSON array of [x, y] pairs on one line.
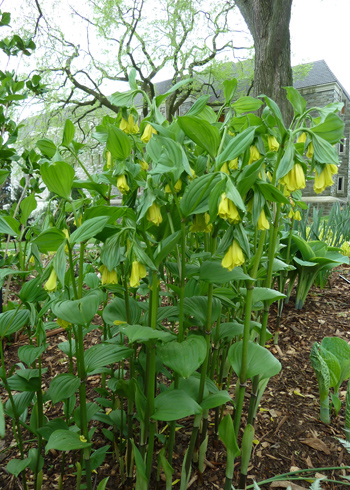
[[340, 184], [342, 145]]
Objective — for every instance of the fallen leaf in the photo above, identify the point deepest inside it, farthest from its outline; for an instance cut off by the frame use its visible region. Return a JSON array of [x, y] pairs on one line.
[[286, 484], [316, 444], [297, 392]]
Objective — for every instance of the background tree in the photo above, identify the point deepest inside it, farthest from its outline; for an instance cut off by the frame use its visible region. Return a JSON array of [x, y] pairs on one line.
[[268, 22]]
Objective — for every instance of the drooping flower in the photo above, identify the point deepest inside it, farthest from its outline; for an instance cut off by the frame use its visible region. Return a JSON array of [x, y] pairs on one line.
[[273, 143], [234, 257], [193, 175], [129, 126], [254, 154], [51, 283], [154, 214], [263, 223], [310, 150], [302, 138], [201, 223], [144, 165], [228, 210], [109, 159], [122, 184], [233, 164], [325, 178], [225, 169], [66, 232], [177, 187], [297, 215], [62, 323], [147, 133], [291, 213], [138, 271], [295, 178], [107, 276]]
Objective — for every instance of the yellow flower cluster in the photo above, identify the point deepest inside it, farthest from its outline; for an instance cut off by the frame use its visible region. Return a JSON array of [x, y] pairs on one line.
[[325, 178], [228, 210], [138, 271], [295, 178], [295, 215], [177, 187], [129, 126], [234, 257]]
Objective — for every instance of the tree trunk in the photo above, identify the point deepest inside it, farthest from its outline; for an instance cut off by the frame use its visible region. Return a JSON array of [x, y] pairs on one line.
[[268, 22]]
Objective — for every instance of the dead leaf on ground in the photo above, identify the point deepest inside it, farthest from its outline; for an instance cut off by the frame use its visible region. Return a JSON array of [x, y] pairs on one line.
[[316, 444], [286, 484]]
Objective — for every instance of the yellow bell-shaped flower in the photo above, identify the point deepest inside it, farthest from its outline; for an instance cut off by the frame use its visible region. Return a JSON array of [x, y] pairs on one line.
[[63, 323], [234, 257], [147, 133], [310, 150], [138, 271], [201, 223], [291, 213], [295, 178], [107, 276], [225, 169], [129, 126], [154, 215], [51, 284], [109, 159], [144, 165], [177, 187], [228, 210], [297, 216], [302, 138], [233, 164], [325, 178], [272, 143], [122, 184], [66, 232], [254, 154], [263, 223]]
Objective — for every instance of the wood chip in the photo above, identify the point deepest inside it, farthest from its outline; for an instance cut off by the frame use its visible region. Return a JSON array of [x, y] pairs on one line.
[[316, 444]]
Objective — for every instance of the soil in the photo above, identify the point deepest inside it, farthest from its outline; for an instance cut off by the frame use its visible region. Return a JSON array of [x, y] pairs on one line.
[[289, 434]]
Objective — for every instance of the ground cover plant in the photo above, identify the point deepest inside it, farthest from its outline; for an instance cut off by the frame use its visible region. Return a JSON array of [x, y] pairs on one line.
[[182, 299]]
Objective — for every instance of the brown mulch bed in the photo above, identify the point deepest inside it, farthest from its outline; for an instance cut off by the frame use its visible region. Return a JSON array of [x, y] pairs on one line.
[[289, 434]]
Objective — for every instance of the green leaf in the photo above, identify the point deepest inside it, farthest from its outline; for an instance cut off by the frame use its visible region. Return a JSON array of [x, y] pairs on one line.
[[198, 106], [16, 466], [21, 402], [27, 206], [49, 240], [29, 353], [331, 130], [236, 146], [59, 264], [65, 440], [63, 386], [197, 306], [12, 321], [123, 99], [68, 133], [246, 104], [58, 177], [287, 161], [88, 229], [183, 357], [174, 405], [216, 400], [196, 197], [165, 247], [139, 333], [201, 132], [80, 311], [212, 272], [103, 483], [277, 114], [229, 90], [47, 147], [324, 152], [298, 102], [116, 312], [228, 436], [248, 176], [259, 360], [102, 355], [271, 193], [118, 143], [159, 99]]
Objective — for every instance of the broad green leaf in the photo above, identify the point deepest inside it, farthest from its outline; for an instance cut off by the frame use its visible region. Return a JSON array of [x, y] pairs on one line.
[[68, 133], [298, 102], [3, 175], [21, 402], [88, 229], [248, 176], [115, 312], [11, 321], [9, 225], [102, 355], [201, 132], [63, 386], [118, 143], [287, 161], [80, 311], [159, 99], [27, 206], [49, 240], [324, 152], [216, 400], [212, 271], [277, 114], [29, 353], [59, 263], [138, 333], [229, 89], [305, 249], [228, 436], [246, 104], [259, 360], [197, 306], [65, 440], [16, 466], [58, 177], [198, 106], [47, 147], [236, 146], [174, 405], [196, 197], [271, 193], [331, 130], [233, 194], [52, 426], [183, 357]]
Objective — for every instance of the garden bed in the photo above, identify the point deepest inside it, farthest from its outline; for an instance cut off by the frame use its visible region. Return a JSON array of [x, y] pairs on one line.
[[289, 434]]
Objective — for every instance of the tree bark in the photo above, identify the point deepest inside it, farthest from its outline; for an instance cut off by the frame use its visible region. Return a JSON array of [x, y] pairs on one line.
[[268, 22]]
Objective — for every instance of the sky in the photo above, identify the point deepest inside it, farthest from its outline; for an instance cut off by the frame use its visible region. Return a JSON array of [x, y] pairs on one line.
[[320, 29]]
